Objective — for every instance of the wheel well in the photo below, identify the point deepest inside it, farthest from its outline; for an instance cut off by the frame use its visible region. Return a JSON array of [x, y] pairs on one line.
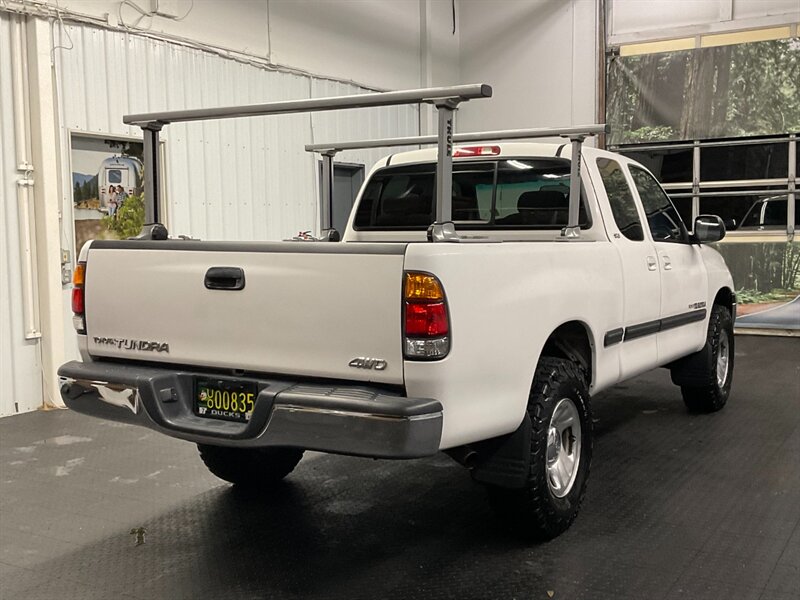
[[573, 342], [725, 297]]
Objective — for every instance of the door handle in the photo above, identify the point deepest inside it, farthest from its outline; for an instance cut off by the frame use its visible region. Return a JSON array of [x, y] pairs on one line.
[[667, 262], [224, 278], [652, 265]]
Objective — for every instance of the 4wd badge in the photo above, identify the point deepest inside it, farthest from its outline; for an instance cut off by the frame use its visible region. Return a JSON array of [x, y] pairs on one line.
[[368, 363]]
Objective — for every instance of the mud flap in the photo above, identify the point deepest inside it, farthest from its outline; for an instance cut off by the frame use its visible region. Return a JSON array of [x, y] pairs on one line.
[[505, 461], [692, 370]]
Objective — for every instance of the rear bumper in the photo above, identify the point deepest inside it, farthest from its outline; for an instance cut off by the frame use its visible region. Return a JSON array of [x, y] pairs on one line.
[[343, 419]]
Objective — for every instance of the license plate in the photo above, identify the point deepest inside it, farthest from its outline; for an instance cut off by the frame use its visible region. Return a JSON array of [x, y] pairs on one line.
[[224, 399]]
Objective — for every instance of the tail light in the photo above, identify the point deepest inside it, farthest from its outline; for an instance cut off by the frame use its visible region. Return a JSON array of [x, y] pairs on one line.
[[426, 329], [78, 298]]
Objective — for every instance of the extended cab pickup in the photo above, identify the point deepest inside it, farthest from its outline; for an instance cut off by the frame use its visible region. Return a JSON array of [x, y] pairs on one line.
[[486, 346]]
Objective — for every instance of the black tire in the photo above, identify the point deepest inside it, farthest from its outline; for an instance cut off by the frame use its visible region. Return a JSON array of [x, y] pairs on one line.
[[705, 393], [536, 511], [252, 468]]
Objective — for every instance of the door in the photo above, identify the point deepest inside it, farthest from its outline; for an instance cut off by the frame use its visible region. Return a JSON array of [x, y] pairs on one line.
[[636, 334], [684, 281], [347, 181]]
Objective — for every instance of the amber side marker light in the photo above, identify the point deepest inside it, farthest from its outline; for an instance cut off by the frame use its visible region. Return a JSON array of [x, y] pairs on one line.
[[426, 325]]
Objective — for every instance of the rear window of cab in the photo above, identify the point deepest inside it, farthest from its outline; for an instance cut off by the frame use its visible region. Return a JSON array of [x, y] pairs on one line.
[[492, 194]]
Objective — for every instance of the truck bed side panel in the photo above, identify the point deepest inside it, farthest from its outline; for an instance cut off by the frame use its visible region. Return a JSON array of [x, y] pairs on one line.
[[504, 301]]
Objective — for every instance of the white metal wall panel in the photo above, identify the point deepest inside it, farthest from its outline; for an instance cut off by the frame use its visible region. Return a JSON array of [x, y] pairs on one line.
[[241, 179], [664, 19], [20, 373], [361, 124], [753, 9]]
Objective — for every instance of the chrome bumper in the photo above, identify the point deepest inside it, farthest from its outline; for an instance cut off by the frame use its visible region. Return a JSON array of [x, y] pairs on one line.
[[343, 419]]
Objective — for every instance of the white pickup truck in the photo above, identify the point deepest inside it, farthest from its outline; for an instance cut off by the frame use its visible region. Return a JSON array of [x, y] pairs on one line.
[[401, 341]]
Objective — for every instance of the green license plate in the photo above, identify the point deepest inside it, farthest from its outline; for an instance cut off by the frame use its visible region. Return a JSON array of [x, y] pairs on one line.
[[226, 399]]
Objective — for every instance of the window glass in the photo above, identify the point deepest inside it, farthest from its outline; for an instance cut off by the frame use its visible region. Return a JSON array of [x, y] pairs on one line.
[[683, 204], [669, 166], [534, 193], [769, 212], [398, 197], [473, 185], [731, 209], [114, 176], [530, 193], [664, 222], [623, 206], [750, 161]]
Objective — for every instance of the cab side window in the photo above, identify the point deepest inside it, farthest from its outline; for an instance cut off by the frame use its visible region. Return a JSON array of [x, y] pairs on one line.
[[664, 221], [623, 206]]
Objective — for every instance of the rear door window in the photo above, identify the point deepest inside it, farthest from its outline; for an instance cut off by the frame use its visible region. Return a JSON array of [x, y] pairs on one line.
[[403, 197], [515, 193], [623, 206], [534, 193]]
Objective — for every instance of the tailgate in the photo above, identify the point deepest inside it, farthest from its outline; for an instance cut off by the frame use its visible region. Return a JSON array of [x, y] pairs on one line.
[[306, 308]]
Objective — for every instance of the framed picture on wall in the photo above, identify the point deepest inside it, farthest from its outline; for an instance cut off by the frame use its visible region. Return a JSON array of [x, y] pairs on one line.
[[107, 187]]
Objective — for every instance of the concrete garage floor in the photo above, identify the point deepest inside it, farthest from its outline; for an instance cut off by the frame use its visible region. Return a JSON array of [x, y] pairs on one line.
[[678, 506]]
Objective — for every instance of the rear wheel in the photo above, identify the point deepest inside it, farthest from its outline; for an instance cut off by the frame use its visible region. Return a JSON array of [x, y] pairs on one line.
[[560, 452], [709, 390], [250, 467]]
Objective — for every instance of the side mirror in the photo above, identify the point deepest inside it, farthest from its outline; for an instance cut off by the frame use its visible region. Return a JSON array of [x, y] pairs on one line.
[[708, 229]]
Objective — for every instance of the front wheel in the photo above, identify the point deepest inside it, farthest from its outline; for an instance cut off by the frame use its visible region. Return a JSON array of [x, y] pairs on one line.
[[250, 467], [560, 453], [710, 386]]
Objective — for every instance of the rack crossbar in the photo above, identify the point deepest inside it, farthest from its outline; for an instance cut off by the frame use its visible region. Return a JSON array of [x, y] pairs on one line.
[[477, 136], [458, 93]]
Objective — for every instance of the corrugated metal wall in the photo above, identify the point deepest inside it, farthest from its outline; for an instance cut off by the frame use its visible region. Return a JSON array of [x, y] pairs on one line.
[[20, 373], [361, 124], [244, 179]]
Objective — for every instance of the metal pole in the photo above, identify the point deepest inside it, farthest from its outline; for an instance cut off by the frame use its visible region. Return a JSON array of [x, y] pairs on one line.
[[602, 69], [151, 182], [791, 201], [444, 163], [695, 184], [573, 229], [327, 189]]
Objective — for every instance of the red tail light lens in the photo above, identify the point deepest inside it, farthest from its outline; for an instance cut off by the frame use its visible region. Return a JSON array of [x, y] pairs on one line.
[[426, 320], [77, 301]]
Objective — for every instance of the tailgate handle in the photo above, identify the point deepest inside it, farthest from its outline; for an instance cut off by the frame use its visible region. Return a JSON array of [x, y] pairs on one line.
[[225, 278]]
